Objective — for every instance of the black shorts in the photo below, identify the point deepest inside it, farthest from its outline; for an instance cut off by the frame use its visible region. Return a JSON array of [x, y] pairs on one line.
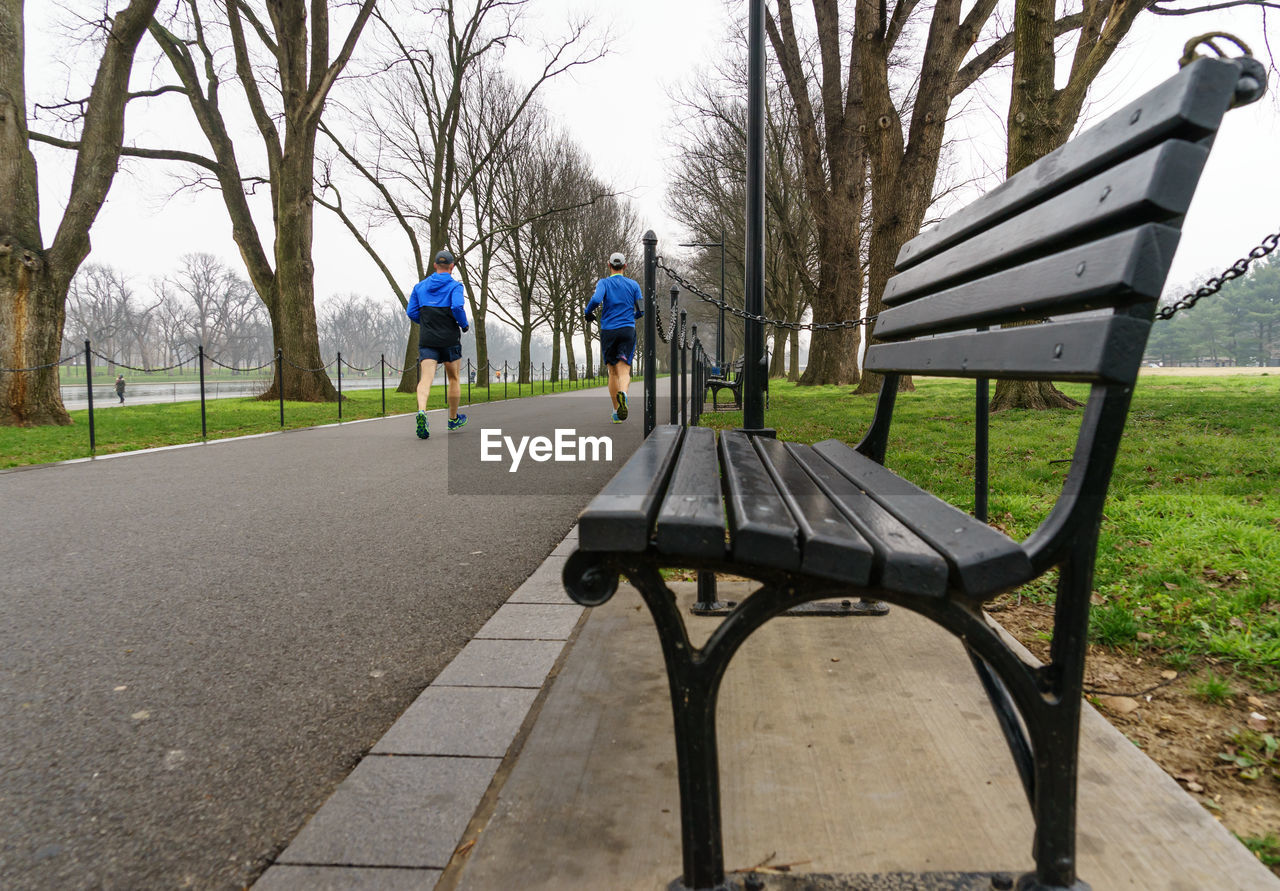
[[441, 354], [617, 345]]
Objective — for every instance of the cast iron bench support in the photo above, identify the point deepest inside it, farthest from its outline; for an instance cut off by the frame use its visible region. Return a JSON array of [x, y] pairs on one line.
[[1081, 242]]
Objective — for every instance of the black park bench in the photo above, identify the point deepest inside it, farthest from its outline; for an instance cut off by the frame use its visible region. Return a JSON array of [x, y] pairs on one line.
[[1080, 241], [731, 382]]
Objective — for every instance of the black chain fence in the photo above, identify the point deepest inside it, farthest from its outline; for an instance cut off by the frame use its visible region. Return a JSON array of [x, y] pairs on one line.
[[530, 380]]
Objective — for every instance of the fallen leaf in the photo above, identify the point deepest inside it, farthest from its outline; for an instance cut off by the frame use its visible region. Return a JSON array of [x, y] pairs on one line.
[[1169, 674], [1194, 787], [1146, 636], [141, 716], [1121, 705], [1172, 586], [834, 659], [1255, 702], [1236, 622], [1097, 599], [1258, 722]]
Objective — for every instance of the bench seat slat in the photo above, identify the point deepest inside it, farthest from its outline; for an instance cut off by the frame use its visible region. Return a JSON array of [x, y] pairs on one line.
[[691, 519], [901, 561], [1153, 187], [761, 527], [982, 560], [1187, 106], [1105, 349], [830, 546], [619, 518], [1122, 269]]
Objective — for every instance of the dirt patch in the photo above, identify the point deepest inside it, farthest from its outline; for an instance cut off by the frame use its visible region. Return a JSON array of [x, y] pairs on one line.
[[1166, 714]]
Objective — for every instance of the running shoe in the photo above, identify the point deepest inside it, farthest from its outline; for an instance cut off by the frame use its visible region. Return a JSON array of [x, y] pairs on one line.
[[622, 406], [616, 419], [423, 432], [458, 423]]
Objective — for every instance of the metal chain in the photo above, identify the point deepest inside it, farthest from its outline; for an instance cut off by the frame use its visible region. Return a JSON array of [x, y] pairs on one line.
[[353, 368], [111, 361], [214, 361], [40, 367], [765, 320], [1215, 283], [300, 368]]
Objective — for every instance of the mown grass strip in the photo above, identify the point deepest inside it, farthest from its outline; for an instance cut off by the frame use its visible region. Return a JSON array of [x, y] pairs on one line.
[[124, 428]]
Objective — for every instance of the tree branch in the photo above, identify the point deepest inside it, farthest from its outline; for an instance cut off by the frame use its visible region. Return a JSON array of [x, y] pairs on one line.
[[1001, 49], [133, 151], [1162, 10]]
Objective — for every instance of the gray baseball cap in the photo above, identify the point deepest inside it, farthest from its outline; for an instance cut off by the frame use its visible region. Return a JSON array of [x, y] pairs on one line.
[[617, 261], [444, 258]]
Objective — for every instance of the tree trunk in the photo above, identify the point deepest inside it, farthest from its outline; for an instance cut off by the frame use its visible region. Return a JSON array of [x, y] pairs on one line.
[[293, 311], [1036, 395], [778, 361], [526, 337], [31, 317], [34, 279], [555, 353], [833, 355], [793, 364]]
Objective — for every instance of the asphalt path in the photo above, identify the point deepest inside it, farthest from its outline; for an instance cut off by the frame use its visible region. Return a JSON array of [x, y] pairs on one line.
[[200, 643]]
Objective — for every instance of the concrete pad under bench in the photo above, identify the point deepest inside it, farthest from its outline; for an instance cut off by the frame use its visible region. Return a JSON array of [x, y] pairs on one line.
[[858, 745]]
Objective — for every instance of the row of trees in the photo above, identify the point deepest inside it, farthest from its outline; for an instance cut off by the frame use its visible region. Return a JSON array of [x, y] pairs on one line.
[[205, 302], [430, 140], [430, 136], [1240, 325], [860, 97]]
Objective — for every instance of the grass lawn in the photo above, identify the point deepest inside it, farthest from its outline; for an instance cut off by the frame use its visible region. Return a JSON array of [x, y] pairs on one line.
[[1189, 554], [128, 427]]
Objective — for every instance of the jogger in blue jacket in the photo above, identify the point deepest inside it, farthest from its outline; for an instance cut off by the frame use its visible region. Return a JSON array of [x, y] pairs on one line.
[[621, 302], [438, 306]]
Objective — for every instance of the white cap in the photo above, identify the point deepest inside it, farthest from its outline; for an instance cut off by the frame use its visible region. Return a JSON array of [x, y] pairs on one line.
[[617, 261]]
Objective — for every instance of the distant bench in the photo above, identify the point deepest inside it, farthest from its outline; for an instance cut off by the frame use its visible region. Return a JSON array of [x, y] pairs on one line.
[[731, 382], [1082, 241]]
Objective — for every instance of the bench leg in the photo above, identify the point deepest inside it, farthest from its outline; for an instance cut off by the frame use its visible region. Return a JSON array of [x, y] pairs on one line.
[[1056, 738]]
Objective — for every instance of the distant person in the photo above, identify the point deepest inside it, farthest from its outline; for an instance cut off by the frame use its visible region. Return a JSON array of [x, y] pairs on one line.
[[120, 387], [436, 304], [619, 298]]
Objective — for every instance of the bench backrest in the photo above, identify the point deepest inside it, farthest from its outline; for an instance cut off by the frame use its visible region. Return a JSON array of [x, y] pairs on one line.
[[1082, 240]]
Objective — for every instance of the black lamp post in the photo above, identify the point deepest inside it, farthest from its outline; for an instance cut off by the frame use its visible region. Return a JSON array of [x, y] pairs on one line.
[[720, 329]]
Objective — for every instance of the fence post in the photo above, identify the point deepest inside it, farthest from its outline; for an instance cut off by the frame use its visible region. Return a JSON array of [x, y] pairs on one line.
[[339, 385], [684, 382], [505, 374], [382, 370], [650, 332], [675, 358], [204, 427], [88, 384], [753, 284], [693, 382], [280, 380]]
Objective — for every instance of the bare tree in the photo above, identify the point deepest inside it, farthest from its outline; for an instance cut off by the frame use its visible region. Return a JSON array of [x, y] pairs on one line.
[[409, 148], [34, 277], [293, 36]]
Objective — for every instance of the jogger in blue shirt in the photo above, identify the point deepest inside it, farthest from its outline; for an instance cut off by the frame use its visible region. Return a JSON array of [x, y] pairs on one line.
[[620, 299], [437, 305]]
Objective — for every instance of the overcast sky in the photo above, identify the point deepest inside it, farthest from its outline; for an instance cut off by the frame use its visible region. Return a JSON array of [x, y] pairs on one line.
[[657, 45]]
